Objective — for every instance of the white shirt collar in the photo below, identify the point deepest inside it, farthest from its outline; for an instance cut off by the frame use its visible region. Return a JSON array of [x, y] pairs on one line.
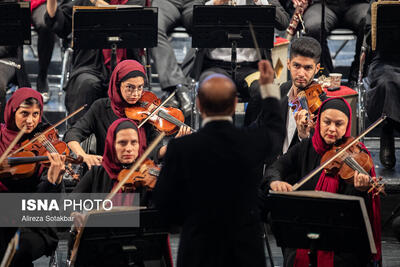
[[216, 118]]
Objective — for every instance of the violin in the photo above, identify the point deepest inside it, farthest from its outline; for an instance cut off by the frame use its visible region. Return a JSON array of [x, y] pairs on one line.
[[47, 142], [165, 119], [309, 99], [140, 177], [24, 163], [294, 22], [339, 152], [355, 158]]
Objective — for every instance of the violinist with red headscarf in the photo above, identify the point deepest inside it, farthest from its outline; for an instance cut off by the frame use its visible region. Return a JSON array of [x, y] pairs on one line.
[[126, 87], [90, 70], [332, 128], [25, 108]]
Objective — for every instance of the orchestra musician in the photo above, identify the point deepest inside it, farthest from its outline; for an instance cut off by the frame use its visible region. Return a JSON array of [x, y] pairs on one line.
[[332, 128], [25, 108], [126, 87], [124, 144], [208, 183], [383, 96], [303, 64], [91, 68]]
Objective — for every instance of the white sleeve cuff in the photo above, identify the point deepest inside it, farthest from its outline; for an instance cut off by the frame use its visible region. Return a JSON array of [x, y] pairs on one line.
[[270, 90], [210, 3]]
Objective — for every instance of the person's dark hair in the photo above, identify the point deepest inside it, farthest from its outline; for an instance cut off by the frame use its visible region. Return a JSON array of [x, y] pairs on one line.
[[306, 47], [216, 106], [29, 102]]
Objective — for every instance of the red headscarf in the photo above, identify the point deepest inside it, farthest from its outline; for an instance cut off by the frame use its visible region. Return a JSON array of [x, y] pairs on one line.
[[9, 130], [110, 161], [118, 104], [328, 183]]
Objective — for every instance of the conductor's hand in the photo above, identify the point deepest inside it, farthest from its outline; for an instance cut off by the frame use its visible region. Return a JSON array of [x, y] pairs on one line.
[[266, 72], [51, 6], [304, 123], [57, 167], [361, 181], [280, 186]]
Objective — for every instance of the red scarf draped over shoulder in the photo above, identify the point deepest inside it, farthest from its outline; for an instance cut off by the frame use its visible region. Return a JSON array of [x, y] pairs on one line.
[[330, 184], [9, 130]]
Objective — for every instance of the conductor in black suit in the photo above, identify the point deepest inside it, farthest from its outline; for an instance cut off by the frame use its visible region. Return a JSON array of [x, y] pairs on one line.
[[209, 180]]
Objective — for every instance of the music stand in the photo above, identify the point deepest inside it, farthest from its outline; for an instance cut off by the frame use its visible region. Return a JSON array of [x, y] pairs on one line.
[[228, 27], [321, 221], [124, 246], [114, 27], [15, 23]]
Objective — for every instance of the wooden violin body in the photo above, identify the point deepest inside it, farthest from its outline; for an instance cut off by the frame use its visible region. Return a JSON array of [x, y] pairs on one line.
[[166, 120], [355, 158], [48, 142], [309, 99], [141, 177]]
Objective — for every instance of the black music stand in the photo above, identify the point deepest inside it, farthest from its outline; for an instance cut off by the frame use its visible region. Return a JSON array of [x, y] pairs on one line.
[[125, 246], [228, 27], [115, 27], [15, 23], [320, 221]]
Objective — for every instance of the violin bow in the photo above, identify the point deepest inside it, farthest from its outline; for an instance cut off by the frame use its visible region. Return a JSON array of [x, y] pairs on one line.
[[49, 129], [12, 145], [338, 154], [159, 115], [115, 190], [157, 109]]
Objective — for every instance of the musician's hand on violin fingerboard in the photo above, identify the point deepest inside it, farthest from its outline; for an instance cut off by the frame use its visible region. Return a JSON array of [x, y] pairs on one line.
[[266, 72], [304, 123], [280, 186], [92, 160], [57, 167], [361, 181], [183, 130]]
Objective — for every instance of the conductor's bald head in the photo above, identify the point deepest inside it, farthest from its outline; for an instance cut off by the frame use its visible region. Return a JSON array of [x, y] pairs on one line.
[[217, 96]]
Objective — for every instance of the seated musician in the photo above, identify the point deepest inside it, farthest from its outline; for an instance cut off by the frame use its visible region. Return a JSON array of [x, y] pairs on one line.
[[332, 127], [384, 95], [303, 64], [25, 108], [90, 70], [126, 88]]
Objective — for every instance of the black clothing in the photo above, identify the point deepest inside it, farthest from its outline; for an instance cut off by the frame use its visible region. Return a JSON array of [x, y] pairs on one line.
[[9, 74], [209, 184], [300, 160], [383, 94], [89, 76], [97, 120], [348, 14]]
